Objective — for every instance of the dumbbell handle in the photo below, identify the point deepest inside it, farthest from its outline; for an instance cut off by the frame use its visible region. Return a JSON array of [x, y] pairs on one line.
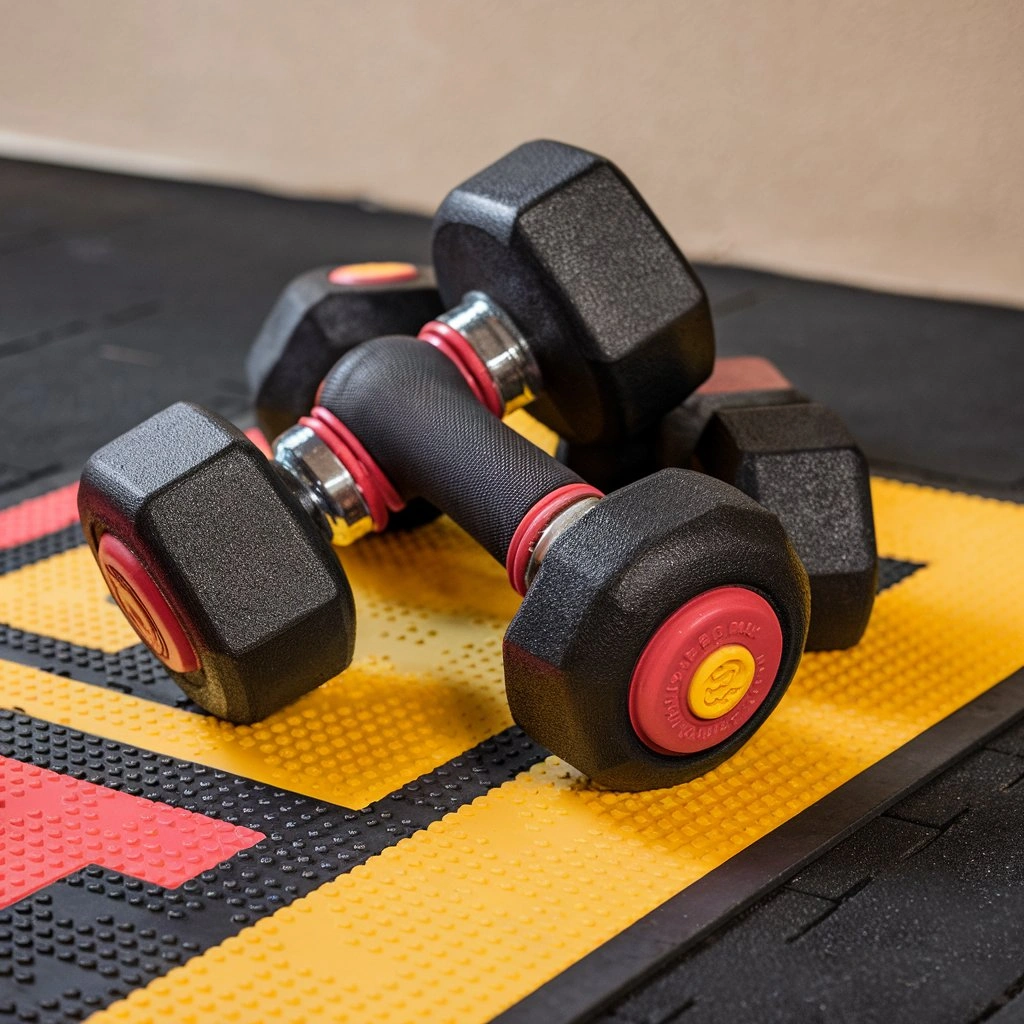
[[495, 361], [412, 411]]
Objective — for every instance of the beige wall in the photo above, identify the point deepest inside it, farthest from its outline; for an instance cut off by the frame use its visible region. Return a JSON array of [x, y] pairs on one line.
[[875, 142]]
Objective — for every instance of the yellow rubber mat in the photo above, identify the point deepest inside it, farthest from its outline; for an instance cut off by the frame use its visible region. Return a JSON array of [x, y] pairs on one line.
[[470, 914]]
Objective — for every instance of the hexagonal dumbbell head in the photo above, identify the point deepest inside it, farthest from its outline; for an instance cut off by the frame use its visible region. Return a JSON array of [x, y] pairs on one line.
[[659, 632], [747, 425], [319, 317], [613, 314], [800, 461], [219, 568]]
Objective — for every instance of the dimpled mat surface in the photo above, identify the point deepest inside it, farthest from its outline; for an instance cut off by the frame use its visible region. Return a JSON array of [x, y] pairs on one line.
[[457, 916]]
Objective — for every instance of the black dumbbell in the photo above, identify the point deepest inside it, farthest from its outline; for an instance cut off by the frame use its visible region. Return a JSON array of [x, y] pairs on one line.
[[748, 426], [567, 294], [660, 625]]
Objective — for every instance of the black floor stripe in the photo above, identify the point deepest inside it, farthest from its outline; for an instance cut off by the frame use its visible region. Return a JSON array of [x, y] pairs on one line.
[[42, 547], [133, 670]]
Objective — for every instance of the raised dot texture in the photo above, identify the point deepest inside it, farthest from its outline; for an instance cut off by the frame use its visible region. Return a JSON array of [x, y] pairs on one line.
[[462, 913]]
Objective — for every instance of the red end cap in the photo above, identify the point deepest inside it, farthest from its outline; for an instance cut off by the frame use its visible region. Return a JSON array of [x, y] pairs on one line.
[[355, 274], [683, 656], [743, 373], [144, 606]]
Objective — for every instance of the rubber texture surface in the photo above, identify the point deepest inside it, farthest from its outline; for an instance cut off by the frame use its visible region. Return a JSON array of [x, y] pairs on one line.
[[793, 456], [246, 572], [313, 324], [799, 461], [603, 590]]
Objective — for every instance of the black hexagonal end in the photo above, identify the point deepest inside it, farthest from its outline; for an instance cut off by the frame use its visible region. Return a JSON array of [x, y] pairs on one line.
[[313, 324], [603, 590], [616, 317], [252, 582], [801, 462]]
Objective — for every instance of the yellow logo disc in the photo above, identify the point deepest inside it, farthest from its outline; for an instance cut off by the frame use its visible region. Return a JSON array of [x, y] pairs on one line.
[[720, 681]]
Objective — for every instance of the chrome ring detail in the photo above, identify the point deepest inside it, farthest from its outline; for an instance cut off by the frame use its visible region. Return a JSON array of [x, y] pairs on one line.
[[324, 484], [565, 519], [500, 346]]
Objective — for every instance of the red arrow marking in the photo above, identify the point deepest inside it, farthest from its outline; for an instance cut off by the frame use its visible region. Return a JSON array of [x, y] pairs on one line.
[[39, 516], [52, 825]]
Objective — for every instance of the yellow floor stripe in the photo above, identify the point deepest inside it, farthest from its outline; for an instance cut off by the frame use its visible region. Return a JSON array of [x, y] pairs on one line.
[[426, 683], [478, 910], [64, 597]]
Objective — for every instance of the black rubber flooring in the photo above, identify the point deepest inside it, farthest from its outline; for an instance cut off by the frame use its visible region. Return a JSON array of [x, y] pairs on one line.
[[119, 295], [919, 916]]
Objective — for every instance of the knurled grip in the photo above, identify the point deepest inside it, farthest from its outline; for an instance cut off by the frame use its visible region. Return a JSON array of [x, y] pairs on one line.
[[409, 406]]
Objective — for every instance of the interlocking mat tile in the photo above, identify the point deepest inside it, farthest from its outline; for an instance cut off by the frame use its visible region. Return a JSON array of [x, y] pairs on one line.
[[391, 847]]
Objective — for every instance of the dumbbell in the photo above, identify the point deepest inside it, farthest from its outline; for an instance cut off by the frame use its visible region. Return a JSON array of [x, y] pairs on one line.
[[210, 554], [659, 627], [564, 248], [324, 479], [564, 291], [748, 426]]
